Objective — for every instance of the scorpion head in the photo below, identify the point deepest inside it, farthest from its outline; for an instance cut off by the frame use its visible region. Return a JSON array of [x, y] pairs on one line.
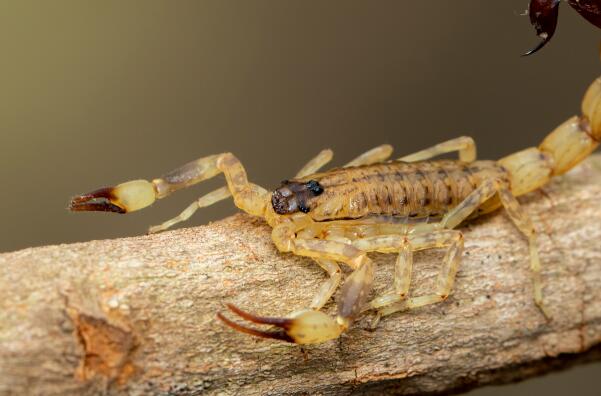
[[293, 196]]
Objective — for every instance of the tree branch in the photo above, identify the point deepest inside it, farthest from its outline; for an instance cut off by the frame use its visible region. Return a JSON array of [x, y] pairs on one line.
[[137, 314]]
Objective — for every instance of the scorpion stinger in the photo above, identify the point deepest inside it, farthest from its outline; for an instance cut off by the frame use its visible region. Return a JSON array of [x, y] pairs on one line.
[[544, 14]]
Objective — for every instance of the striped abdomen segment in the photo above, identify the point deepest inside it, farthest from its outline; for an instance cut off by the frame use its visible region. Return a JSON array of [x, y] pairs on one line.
[[419, 189]]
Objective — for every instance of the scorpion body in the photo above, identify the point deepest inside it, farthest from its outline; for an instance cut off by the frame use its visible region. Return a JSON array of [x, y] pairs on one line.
[[374, 205], [417, 190]]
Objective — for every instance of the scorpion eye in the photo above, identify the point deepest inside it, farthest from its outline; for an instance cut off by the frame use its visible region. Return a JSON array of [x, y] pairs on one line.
[[314, 187], [303, 208]]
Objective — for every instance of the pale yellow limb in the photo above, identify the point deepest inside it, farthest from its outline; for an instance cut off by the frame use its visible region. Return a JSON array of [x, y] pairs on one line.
[[204, 201], [403, 266], [315, 164], [222, 193], [373, 156], [358, 283], [470, 204], [522, 221], [452, 239], [487, 190], [406, 245], [137, 194], [348, 232], [465, 145], [328, 288], [342, 232], [311, 326]]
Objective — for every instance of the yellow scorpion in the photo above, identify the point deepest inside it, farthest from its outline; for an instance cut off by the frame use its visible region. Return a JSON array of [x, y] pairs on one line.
[[373, 204]]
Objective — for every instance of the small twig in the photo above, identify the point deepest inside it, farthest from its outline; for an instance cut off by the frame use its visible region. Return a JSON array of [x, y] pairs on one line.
[[137, 315]]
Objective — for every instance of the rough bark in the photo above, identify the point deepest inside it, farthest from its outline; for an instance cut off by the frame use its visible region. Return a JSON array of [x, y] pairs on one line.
[[137, 315]]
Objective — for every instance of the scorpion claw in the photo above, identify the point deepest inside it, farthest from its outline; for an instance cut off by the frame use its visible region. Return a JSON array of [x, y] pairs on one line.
[[303, 327], [273, 334], [100, 201], [125, 197]]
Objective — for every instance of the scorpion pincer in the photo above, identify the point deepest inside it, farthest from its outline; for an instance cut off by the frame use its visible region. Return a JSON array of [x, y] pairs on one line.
[[340, 215]]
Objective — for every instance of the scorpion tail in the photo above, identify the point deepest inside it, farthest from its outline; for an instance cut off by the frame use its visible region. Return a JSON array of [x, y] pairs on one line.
[[578, 137], [564, 148], [303, 327], [543, 16]]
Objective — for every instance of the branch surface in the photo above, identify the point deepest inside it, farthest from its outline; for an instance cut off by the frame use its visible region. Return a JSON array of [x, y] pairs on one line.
[[137, 315]]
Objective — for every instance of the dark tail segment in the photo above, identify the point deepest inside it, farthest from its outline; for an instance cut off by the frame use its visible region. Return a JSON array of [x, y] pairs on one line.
[[543, 16], [544, 13]]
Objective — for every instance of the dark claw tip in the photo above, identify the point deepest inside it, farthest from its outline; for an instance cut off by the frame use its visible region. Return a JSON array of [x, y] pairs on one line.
[[279, 322], [97, 201], [273, 334]]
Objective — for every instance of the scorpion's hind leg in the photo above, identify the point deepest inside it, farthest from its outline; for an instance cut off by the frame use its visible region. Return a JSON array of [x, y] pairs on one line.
[[138, 194], [465, 145], [522, 221], [486, 190]]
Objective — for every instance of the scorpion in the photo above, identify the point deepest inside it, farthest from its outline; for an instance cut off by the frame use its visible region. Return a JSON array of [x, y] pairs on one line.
[[373, 204]]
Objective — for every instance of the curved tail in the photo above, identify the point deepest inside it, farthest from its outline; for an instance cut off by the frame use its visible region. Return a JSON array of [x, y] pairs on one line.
[[568, 145]]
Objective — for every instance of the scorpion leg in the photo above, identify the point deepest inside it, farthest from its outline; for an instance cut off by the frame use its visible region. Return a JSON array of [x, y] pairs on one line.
[[316, 163], [465, 145], [375, 155], [517, 215], [204, 201], [328, 288], [222, 193], [138, 194], [522, 221], [310, 326], [343, 232], [395, 301], [403, 265]]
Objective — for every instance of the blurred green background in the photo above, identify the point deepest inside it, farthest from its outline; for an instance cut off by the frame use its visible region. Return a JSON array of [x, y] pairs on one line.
[[96, 93]]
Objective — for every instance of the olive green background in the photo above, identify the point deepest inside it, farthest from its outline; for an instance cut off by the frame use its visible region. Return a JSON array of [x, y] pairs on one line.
[[96, 93]]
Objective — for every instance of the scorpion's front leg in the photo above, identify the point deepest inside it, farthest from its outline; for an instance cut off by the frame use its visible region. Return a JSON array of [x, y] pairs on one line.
[[310, 326], [138, 194]]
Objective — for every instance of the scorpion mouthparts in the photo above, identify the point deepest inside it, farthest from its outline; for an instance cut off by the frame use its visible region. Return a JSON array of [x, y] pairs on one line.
[[282, 323], [99, 201]]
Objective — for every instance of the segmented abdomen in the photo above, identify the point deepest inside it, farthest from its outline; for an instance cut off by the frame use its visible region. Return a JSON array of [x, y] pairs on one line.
[[420, 189]]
